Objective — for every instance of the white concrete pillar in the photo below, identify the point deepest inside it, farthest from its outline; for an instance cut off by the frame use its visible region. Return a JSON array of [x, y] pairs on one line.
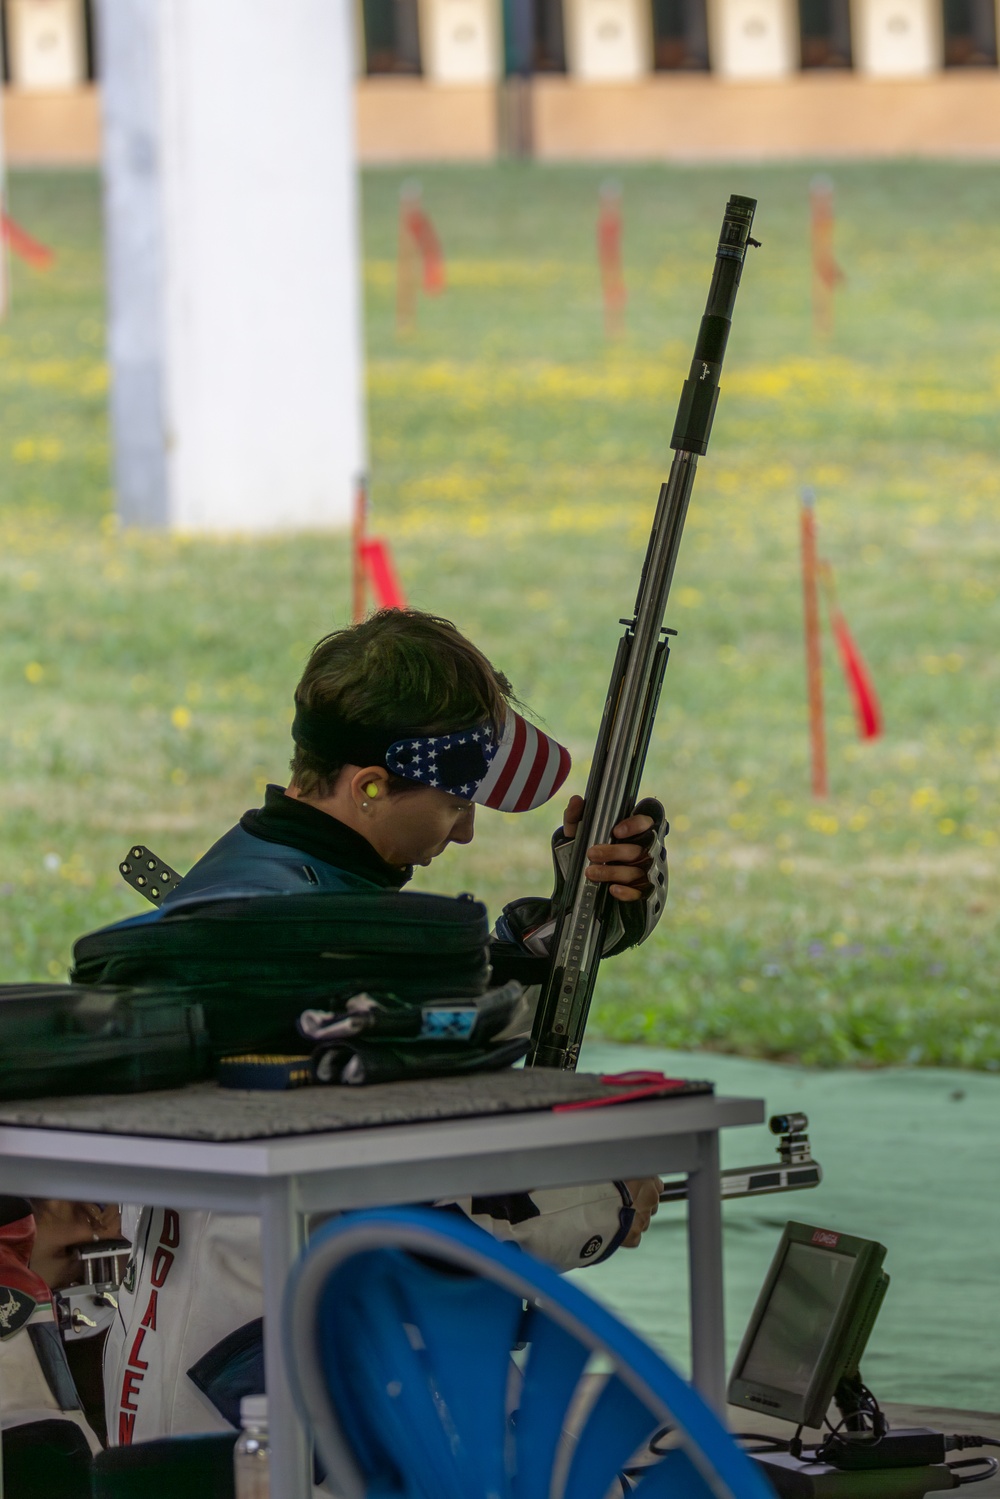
[[608, 39], [897, 38], [46, 44], [460, 40], [753, 38], [233, 262]]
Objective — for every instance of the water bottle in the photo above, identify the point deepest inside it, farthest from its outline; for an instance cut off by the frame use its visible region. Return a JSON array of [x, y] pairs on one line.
[[251, 1455]]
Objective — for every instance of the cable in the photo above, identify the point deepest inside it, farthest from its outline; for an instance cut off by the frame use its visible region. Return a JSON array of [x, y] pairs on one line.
[[774, 1444], [959, 1442], [868, 1406], [868, 1409], [991, 1466]]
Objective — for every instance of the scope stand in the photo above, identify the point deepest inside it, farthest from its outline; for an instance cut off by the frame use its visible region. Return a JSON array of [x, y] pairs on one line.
[[796, 1169]]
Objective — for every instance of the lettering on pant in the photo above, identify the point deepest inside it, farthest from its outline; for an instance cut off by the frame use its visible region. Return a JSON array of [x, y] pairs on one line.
[[135, 1369]]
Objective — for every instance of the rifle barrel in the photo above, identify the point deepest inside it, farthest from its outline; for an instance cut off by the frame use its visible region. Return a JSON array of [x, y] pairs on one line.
[[627, 722]]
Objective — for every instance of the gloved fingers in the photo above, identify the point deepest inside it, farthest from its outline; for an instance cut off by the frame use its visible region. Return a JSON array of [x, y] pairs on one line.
[[627, 881], [629, 893], [630, 854], [571, 816], [646, 1201], [633, 875], [633, 827]]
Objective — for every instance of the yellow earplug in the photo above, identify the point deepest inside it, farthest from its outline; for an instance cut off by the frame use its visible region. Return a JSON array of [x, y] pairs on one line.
[[372, 789]]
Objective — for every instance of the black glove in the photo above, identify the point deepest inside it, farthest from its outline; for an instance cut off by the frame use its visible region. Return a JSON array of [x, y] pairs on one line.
[[528, 923]]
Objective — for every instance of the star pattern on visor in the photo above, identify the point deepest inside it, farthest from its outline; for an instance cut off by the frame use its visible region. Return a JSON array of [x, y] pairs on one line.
[[519, 771]]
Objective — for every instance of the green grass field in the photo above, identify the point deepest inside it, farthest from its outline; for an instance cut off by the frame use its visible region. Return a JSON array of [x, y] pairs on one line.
[[147, 680]]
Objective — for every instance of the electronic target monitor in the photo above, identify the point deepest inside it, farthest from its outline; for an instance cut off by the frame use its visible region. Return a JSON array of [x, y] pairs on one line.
[[810, 1325]]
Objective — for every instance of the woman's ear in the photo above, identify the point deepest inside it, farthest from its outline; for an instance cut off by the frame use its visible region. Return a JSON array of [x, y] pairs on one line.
[[368, 786]]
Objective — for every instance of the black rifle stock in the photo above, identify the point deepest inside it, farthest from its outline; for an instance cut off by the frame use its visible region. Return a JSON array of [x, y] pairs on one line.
[[630, 707]]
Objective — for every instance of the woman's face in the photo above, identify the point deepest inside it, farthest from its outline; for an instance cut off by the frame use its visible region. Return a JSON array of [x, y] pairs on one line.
[[414, 826]]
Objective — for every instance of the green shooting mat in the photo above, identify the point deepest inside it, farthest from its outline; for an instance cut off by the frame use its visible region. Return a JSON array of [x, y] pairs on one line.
[[910, 1157]]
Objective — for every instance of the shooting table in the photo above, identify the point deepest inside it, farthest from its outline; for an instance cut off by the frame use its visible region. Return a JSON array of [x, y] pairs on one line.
[[283, 1156]]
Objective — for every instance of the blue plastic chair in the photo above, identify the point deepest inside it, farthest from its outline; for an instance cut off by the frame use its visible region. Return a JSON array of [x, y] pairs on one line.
[[399, 1328]]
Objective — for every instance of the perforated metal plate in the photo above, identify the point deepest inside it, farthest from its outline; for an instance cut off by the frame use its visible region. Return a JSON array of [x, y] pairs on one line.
[[152, 877]]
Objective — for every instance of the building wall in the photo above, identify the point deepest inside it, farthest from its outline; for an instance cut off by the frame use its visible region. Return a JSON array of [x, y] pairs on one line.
[[609, 104], [416, 120], [699, 118], [52, 128]]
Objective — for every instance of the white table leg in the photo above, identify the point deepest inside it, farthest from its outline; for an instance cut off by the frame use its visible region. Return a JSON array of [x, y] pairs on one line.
[[282, 1238], [708, 1343]]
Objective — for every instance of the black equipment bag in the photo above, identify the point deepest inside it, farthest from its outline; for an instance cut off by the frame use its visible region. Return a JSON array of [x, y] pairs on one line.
[[256, 962], [59, 1039]]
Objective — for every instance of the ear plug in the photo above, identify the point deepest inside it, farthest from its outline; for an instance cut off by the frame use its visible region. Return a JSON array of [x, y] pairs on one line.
[[372, 789]]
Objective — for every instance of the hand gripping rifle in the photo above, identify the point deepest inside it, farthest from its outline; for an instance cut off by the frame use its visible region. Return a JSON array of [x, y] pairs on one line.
[[634, 691]]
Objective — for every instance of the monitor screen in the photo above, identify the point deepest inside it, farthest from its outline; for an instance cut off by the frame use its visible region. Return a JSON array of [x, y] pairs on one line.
[[806, 1296], [811, 1321]]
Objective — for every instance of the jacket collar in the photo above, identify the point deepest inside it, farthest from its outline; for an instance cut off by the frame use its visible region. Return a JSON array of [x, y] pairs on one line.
[[295, 824]]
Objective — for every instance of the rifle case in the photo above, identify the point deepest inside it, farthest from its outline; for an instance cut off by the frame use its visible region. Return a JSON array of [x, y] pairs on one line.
[[59, 1039], [256, 962]]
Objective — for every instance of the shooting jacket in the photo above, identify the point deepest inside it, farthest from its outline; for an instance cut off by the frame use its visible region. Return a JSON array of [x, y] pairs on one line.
[[194, 1281]]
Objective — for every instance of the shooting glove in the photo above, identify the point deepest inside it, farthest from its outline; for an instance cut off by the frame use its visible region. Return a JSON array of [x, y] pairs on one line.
[[529, 922]]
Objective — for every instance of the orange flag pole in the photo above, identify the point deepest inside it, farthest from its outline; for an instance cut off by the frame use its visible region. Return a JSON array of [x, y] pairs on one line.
[[827, 274], [406, 260], [357, 550], [609, 255], [814, 664], [4, 276]]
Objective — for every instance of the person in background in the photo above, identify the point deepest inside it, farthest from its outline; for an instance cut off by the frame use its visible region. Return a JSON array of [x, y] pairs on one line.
[[46, 1439]]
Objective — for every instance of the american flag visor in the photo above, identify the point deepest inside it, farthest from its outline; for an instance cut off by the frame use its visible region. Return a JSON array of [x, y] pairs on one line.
[[516, 774]]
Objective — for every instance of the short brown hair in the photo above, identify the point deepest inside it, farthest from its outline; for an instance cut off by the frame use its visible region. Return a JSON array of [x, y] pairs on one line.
[[400, 672]]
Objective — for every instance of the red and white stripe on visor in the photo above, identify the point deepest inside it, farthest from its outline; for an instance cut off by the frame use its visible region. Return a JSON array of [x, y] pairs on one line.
[[526, 770]]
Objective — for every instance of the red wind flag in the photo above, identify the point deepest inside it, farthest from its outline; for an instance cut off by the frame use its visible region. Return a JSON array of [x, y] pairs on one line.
[[371, 563], [609, 256], [376, 560], [425, 238], [23, 245], [824, 261], [859, 683]]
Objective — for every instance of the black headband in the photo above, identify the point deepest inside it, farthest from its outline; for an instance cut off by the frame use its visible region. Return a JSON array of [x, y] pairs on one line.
[[323, 733]]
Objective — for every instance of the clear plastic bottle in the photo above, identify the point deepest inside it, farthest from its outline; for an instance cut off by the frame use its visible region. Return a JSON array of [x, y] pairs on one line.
[[251, 1455]]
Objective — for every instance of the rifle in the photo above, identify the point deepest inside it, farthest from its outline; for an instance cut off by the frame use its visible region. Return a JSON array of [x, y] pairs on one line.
[[634, 691]]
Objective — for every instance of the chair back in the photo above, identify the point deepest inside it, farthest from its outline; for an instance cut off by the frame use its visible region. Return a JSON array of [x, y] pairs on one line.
[[399, 1330]]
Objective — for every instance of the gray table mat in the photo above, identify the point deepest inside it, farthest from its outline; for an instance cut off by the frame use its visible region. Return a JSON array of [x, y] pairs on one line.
[[204, 1111]]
